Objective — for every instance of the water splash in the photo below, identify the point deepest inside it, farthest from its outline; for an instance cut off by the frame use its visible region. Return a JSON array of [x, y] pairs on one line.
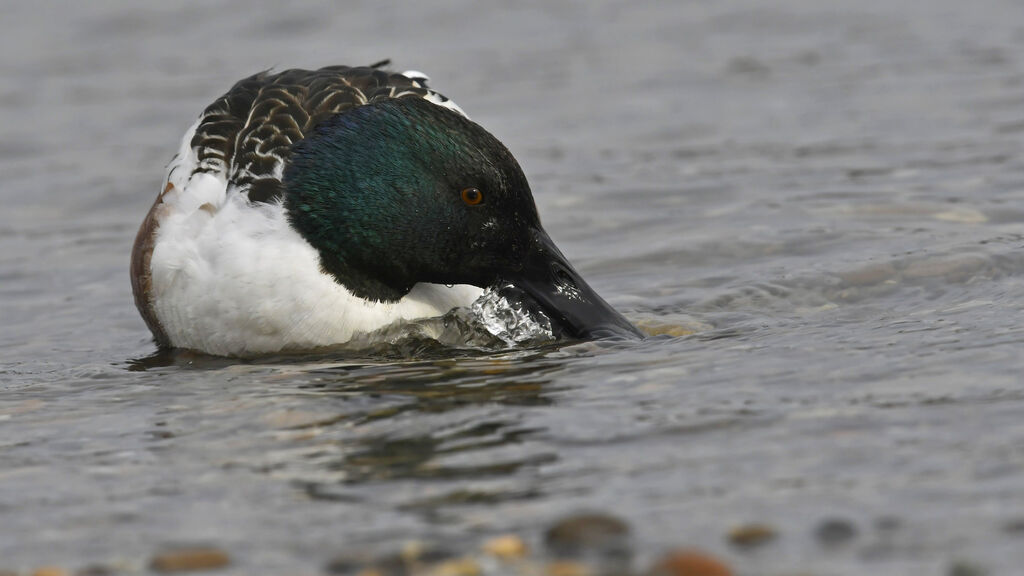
[[508, 315], [500, 319]]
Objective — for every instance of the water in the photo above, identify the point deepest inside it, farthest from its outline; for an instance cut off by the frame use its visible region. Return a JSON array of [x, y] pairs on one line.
[[818, 207]]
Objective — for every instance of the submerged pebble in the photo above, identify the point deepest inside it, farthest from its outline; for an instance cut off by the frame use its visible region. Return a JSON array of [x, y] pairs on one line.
[[95, 570], [587, 535], [189, 559], [835, 531], [415, 557], [751, 535], [964, 568], [417, 551], [50, 571], [388, 567], [508, 547], [567, 568], [689, 563], [1014, 527]]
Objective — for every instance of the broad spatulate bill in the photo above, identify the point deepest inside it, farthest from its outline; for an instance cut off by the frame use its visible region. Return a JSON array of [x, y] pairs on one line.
[[308, 207]]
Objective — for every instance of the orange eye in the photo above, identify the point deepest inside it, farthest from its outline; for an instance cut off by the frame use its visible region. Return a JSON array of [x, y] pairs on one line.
[[472, 196]]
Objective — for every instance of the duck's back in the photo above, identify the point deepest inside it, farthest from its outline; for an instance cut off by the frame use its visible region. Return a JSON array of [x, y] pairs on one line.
[[216, 266], [247, 134]]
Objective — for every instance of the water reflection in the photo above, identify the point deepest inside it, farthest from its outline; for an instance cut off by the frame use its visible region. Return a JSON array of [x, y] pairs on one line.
[[353, 431], [430, 420]]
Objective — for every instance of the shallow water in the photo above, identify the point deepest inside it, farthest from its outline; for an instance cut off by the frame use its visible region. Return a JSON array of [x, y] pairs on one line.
[[819, 208]]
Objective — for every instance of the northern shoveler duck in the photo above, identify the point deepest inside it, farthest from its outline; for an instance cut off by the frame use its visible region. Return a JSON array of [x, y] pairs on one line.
[[306, 207]]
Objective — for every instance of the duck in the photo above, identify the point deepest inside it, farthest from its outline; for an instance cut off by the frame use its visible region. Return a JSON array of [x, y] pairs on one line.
[[306, 207]]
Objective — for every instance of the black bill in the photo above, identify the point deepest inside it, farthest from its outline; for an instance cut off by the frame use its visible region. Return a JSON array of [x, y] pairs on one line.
[[548, 278]]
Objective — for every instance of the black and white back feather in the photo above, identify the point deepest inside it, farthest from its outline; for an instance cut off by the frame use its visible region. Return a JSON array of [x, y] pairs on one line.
[[247, 134]]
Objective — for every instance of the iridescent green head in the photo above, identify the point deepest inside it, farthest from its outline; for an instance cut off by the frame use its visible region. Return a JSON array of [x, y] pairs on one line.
[[404, 191]]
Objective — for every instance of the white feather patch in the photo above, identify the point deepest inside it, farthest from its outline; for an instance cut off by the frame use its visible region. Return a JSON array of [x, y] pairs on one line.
[[233, 278], [417, 77], [420, 79]]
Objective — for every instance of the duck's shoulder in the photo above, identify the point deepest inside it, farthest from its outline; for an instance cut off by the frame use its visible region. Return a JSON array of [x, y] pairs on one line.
[[246, 135]]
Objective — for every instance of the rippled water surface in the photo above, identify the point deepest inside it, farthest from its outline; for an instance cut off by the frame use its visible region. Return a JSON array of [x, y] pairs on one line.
[[817, 208]]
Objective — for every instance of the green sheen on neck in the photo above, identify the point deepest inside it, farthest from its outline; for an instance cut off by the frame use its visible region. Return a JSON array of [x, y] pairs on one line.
[[372, 190]]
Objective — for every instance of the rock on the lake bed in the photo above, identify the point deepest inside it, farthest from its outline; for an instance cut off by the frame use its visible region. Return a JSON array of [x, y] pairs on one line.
[[589, 535], [689, 563], [95, 570], [835, 531], [964, 568], [189, 559], [751, 535], [415, 558], [49, 571], [567, 568], [1015, 527], [508, 547], [392, 565]]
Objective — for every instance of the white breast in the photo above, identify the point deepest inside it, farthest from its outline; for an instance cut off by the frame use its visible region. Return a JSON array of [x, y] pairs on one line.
[[233, 278]]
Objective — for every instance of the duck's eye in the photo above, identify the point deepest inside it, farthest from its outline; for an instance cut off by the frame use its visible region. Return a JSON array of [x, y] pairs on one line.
[[472, 196]]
